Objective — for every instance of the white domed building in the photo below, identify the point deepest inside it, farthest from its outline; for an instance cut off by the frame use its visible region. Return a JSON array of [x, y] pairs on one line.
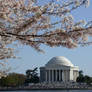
[[59, 69]]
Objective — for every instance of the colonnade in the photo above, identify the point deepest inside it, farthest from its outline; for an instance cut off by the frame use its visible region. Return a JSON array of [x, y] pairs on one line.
[[54, 75]]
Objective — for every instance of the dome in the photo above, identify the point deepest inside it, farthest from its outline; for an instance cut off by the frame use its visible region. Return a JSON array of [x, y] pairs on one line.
[[59, 60]]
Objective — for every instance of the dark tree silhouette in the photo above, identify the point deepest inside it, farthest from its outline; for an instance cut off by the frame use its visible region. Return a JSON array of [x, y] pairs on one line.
[[32, 76]]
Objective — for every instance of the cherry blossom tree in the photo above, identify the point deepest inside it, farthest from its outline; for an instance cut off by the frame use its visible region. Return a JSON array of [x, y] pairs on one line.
[[32, 23]]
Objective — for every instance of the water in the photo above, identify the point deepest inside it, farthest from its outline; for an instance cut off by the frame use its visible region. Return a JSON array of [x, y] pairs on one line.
[[52, 91]]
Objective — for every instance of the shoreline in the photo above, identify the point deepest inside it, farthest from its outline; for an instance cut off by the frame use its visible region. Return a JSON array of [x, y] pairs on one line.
[[49, 86], [19, 89]]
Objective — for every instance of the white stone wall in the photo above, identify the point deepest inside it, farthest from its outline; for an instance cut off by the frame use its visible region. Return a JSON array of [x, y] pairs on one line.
[[71, 75], [75, 74]]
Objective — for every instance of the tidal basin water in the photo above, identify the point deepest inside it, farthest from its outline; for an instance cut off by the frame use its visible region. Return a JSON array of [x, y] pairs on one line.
[[52, 91]]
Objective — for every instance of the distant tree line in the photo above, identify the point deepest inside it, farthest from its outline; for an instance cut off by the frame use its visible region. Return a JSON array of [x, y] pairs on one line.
[[84, 78], [16, 80], [12, 80]]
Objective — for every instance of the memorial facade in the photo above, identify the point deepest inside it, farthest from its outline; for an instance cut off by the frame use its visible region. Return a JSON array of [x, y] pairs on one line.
[[59, 69]]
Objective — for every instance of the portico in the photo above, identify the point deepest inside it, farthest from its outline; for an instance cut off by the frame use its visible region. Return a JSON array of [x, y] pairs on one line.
[[53, 75]]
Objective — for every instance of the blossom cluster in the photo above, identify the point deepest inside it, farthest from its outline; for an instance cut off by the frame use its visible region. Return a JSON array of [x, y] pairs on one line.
[[31, 23]]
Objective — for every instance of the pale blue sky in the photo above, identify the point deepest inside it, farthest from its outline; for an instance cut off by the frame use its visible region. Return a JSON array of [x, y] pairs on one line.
[[81, 56]]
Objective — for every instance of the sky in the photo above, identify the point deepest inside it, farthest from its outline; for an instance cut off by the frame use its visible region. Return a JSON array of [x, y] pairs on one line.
[[81, 56]]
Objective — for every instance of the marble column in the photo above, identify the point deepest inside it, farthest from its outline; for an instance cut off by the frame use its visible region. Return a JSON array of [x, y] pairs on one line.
[[46, 76], [63, 77], [67, 75], [56, 75], [52, 75], [49, 75]]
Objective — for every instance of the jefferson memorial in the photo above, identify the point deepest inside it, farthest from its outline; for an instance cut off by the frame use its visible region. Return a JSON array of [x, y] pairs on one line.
[[59, 69]]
